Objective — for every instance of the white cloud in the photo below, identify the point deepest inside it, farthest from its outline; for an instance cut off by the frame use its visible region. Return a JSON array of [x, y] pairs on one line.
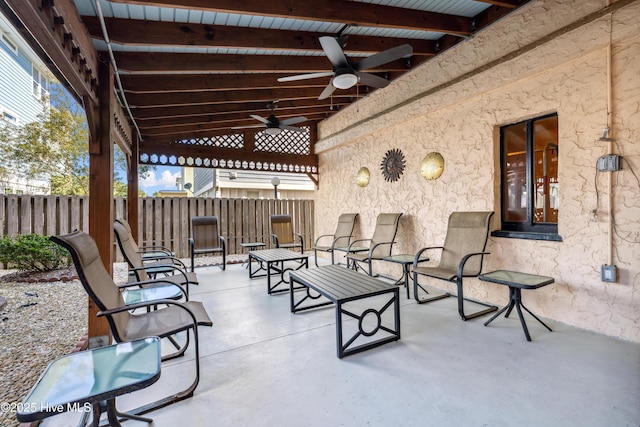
[[167, 180]]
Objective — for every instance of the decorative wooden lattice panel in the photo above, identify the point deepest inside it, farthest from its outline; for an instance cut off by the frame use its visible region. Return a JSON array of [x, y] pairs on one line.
[[286, 152], [285, 142], [235, 140]]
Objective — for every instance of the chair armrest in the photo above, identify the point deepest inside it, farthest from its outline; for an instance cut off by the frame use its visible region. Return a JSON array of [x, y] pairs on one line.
[[275, 239], [374, 247], [174, 261], [320, 237], [416, 260], [143, 249], [301, 239], [149, 304], [161, 265], [333, 244], [152, 256], [178, 269], [465, 258], [356, 241]]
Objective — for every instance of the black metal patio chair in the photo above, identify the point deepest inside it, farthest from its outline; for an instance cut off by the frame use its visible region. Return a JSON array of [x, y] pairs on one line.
[[461, 256]]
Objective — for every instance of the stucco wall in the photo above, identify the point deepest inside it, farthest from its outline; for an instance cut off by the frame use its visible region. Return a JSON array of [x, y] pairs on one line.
[[550, 56]]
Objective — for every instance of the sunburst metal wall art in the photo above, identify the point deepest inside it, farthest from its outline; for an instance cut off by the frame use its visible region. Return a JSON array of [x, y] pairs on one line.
[[392, 165]]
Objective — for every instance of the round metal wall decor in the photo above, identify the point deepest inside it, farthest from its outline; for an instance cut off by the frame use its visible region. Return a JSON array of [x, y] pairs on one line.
[[432, 166], [363, 177], [392, 165]]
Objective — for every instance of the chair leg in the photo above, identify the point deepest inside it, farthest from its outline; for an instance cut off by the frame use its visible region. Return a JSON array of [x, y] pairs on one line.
[[180, 348], [490, 308], [182, 395], [434, 297]]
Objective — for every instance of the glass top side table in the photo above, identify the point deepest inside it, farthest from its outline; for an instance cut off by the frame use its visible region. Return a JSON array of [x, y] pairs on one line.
[[151, 293], [516, 282], [82, 381], [406, 260]]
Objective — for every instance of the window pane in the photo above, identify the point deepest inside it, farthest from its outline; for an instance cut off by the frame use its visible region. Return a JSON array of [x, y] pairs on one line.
[[545, 145], [515, 172]]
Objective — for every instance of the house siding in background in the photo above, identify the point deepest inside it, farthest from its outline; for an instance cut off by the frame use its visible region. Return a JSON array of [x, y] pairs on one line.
[[24, 89], [222, 183]]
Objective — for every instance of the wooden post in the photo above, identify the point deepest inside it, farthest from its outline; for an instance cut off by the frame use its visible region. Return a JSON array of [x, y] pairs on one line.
[[132, 188], [101, 211]]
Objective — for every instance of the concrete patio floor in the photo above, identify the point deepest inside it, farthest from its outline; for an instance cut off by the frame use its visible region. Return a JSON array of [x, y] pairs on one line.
[[263, 366]]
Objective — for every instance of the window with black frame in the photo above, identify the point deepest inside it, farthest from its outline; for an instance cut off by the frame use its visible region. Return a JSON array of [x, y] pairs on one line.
[[529, 179]]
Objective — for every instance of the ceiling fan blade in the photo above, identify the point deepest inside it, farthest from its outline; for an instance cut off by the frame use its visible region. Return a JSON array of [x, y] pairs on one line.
[[384, 57], [333, 51], [260, 119], [293, 121], [248, 127], [371, 79], [292, 128], [327, 91], [305, 76]]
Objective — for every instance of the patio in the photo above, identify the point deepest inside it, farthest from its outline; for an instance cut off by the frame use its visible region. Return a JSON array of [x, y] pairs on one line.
[[263, 366]]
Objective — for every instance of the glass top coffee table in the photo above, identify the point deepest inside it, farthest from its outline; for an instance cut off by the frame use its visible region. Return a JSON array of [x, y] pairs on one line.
[[88, 380]]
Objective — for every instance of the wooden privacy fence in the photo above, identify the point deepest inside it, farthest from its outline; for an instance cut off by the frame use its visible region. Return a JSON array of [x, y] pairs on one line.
[[161, 221]]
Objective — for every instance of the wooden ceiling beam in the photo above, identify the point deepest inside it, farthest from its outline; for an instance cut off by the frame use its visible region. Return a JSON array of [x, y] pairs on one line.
[[229, 125], [170, 99], [348, 12], [179, 131], [299, 106], [511, 4], [492, 14], [141, 83], [167, 63], [157, 33], [239, 118]]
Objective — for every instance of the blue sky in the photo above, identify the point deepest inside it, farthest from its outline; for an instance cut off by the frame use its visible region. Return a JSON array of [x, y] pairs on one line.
[[162, 178]]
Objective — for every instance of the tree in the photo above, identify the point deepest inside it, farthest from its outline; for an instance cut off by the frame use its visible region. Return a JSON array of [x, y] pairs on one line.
[[120, 190], [56, 146]]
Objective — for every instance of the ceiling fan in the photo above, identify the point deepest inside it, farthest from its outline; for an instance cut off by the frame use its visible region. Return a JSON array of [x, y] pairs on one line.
[[273, 125], [346, 74]]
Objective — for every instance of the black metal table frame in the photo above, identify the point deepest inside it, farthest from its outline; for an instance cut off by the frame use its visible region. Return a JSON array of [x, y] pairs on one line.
[[406, 269], [275, 266], [345, 348], [251, 246], [515, 300]]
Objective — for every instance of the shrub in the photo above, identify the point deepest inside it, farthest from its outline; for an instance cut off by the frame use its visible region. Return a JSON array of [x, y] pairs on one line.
[[32, 252]]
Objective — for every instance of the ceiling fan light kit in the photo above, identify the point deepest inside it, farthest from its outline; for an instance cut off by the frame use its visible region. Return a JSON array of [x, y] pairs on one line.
[[270, 130], [346, 80]]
